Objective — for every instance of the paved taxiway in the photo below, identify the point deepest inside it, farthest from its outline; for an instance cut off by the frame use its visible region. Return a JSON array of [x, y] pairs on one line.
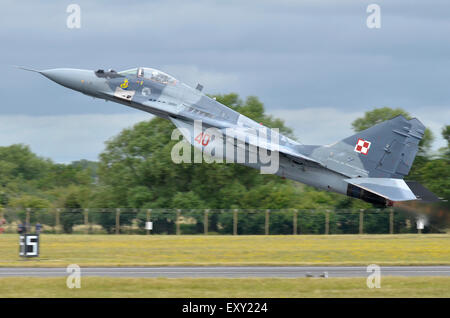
[[229, 272]]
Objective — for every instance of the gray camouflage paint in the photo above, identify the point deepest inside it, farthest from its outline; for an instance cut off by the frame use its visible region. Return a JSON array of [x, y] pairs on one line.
[[394, 143]]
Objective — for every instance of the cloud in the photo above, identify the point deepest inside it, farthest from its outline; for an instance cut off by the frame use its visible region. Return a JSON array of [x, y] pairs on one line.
[[65, 138], [318, 126], [314, 63]]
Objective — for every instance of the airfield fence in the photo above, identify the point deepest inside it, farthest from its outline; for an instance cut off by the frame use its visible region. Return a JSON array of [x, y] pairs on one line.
[[208, 221]]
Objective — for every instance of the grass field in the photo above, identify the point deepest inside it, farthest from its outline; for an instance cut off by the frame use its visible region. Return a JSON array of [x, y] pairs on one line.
[[226, 288], [142, 250]]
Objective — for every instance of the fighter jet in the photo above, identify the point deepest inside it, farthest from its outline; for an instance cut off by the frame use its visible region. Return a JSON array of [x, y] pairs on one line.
[[369, 165]]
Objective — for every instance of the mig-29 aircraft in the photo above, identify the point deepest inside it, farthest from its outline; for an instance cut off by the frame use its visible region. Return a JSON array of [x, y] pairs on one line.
[[370, 165]]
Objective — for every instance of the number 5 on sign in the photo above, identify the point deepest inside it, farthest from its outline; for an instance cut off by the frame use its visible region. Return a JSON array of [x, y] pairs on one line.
[[203, 139]]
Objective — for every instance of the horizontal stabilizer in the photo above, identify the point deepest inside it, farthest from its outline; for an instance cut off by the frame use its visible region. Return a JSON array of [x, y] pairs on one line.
[[391, 189]]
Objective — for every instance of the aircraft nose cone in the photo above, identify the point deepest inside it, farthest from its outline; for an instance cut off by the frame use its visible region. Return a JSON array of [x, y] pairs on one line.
[[57, 75], [70, 78]]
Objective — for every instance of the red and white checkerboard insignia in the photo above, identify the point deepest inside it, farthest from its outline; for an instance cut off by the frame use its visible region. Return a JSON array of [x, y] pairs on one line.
[[362, 146]]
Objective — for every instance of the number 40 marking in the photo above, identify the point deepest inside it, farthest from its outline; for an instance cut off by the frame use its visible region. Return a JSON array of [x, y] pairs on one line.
[[203, 139]]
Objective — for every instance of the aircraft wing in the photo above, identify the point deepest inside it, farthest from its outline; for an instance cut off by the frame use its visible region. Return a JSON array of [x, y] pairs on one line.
[[243, 135], [388, 188]]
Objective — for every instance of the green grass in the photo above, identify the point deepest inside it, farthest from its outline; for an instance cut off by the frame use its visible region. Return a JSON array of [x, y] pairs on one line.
[[157, 250], [226, 287]]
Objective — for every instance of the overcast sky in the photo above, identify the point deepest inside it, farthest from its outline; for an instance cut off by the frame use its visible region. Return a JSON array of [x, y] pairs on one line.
[[314, 64]]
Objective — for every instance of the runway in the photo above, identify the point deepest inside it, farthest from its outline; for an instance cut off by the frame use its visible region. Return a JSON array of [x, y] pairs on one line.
[[229, 272]]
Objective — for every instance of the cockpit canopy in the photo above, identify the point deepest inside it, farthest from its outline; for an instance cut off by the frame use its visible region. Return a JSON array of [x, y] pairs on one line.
[[151, 74]]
